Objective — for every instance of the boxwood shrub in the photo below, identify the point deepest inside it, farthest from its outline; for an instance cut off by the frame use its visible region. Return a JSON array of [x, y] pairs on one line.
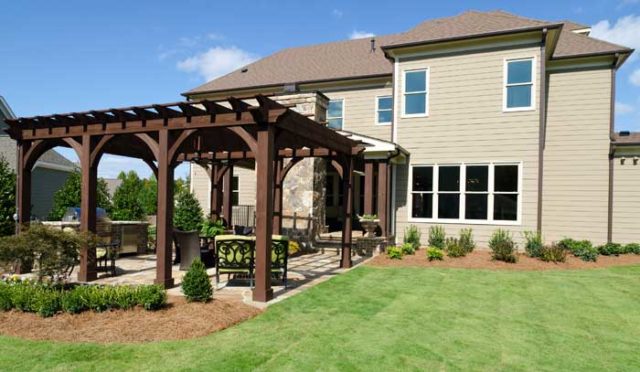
[[582, 249]]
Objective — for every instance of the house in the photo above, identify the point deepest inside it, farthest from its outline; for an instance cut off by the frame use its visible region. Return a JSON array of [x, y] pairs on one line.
[[483, 120], [49, 172]]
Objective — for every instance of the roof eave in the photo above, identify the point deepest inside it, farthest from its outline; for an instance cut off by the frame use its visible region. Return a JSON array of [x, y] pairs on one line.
[[622, 55]]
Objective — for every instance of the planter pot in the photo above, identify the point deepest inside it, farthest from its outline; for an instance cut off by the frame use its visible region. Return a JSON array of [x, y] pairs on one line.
[[187, 247], [370, 227]]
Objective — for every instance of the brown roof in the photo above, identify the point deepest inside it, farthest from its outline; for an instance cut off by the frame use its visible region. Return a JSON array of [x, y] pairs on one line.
[[354, 58], [630, 138], [572, 26]]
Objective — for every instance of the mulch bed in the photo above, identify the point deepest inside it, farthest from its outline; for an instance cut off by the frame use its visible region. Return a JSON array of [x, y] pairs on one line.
[[179, 320], [482, 260]]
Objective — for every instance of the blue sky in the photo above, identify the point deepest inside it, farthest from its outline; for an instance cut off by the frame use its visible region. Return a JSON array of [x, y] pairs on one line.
[[76, 55]]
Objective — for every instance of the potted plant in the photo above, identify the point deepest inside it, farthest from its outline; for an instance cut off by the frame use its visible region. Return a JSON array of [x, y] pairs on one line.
[[369, 223]]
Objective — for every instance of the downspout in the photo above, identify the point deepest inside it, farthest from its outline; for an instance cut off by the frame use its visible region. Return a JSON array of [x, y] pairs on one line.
[[543, 126], [611, 152], [394, 138]]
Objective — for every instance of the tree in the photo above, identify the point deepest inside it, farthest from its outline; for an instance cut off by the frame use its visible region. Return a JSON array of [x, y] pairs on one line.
[[7, 198], [127, 199], [70, 195], [149, 196], [188, 213]]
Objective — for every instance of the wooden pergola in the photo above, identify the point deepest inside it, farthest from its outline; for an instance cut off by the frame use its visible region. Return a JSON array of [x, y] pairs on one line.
[[218, 132]]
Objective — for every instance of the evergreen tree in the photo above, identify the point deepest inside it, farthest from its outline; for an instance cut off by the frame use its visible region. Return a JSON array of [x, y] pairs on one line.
[[187, 215], [127, 199], [149, 196], [70, 194], [7, 198]]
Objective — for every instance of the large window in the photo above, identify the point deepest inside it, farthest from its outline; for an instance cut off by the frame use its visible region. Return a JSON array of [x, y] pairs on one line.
[[335, 113], [519, 84], [470, 193], [415, 92], [384, 110]]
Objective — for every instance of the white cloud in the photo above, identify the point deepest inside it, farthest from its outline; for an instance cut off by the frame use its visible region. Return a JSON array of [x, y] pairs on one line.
[[623, 108], [634, 78], [337, 13], [624, 32], [355, 34], [216, 61], [624, 3]]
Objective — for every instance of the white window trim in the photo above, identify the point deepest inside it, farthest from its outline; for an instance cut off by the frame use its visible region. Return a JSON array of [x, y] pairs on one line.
[[337, 117], [505, 76], [462, 216], [427, 74], [378, 109]]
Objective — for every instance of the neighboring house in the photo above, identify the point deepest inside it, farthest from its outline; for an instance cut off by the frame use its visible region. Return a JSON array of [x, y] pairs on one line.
[[49, 173], [507, 122]]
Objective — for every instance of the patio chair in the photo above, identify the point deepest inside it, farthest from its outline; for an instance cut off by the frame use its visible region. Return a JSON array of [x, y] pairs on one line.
[[234, 255], [279, 257], [106, 254]]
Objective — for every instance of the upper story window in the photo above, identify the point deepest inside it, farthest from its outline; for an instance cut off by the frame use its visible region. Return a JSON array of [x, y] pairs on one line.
[[415, 93], [335, 113], [518, 93], [384, 109]]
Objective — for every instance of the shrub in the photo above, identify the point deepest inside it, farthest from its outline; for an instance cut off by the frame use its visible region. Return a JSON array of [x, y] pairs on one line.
[[69, 196], [580, 248], [196, 284], [7, 198], [127, 199], [188, 213], [466, 240], [502, 246], [23, 297], [47, 302], [407, 248], [5, 297], [294, 247], [610, 249], [534, 243], [412, 236], [553, 253], [434, 253], [437, 237], [632, 248], [73, 302], [211, 229], [394, 253], [454, 248], [152, 297]]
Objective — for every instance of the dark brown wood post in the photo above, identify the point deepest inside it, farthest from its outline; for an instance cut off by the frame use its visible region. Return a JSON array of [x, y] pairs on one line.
[[383, 197], [277, 197], [216, 191], [23, 185], [227, 197], [368, 187], [164, 222], [347, 210], [264, 213], [88, 203]]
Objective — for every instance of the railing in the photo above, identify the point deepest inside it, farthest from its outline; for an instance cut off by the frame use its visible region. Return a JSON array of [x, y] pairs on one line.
[[244, 215]]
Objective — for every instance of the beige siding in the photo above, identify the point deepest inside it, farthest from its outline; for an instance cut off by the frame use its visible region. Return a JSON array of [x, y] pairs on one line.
[[360, 111], [626, 201], [466, 124], [247, 185], [201, 188], [576, 175]]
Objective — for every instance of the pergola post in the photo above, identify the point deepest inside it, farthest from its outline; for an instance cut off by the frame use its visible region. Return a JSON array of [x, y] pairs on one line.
[[23, 201], [264, 213], [227, 196], [347, 210], [277, 197], [88, 203], [216, 191], [383, 196], [164, 222], [368, 187]]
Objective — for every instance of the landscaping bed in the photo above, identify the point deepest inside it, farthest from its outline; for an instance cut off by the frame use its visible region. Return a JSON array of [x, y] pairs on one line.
[[481, 259], [178, 320]]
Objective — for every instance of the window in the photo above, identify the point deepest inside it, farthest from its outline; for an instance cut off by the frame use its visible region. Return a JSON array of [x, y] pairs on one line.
[[473, 193], [335, 113], [415, 93], [235, 190], [519, 84], [384, 111]]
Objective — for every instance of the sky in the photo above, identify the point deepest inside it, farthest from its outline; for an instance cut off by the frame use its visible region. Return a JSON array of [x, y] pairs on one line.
[[62, 56]]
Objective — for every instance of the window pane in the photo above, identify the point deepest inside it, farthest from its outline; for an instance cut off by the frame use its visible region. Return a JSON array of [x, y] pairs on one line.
[[335, 123], [422, 179], [415, 104], [476, 207], [478, 178], [506, 178], [422, 205], [449, 206], [234, 183], [519, 96], [416, 81], [505, 207], [384, 103], [519, 72], [449, 179], [235, 198], [384, 116], [335, 109]]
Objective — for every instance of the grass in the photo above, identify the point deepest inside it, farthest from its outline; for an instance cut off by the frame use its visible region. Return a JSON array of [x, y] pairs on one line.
[[399, 319]]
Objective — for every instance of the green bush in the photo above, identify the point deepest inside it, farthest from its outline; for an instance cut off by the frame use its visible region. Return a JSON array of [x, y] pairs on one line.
[[73, 302], [502, 246], [152, 297], [196, 284], [187, 215], [7, 198], [466, 240], [553, 253], [454, 248], [632, 248], [434, 253], [408, 248], [48, 302], [437, 237], [69, 196], [6, 303], [128, 199], [412, 236], [534, 243], [394, 253], [610, 249], [582, 249], [23, 297]]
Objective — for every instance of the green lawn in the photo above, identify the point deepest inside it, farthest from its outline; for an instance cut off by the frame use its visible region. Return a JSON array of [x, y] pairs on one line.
[[392, 319]]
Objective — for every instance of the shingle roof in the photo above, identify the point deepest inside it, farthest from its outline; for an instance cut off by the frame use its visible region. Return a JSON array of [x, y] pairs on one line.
[[354, 58], [630, 138], [53, 157]]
